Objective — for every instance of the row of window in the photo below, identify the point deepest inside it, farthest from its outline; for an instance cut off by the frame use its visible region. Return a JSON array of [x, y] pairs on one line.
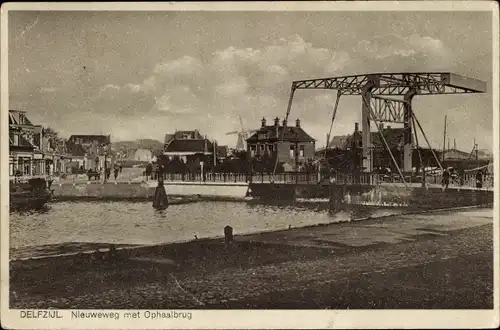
[[263, 147], [270, 148], [28, 166], [15, 140]]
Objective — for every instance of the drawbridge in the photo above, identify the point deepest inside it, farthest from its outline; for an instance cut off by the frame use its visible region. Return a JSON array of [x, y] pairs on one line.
[[387, 97]]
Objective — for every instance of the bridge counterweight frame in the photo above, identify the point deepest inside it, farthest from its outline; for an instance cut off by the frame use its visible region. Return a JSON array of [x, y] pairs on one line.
[[375, 107]]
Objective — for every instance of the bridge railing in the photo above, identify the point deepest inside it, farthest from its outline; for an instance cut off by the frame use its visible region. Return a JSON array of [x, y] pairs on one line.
[[468, 181], [266, 177]]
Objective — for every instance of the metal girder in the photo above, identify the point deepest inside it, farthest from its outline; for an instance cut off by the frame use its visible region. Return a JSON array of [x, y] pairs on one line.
[[388, 110], [397, 84]]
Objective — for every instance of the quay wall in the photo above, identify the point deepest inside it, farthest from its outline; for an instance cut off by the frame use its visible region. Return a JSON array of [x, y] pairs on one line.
[[206, 189], [111, 190], [414, 197], [286, 191], [417, 197], [145, 190]]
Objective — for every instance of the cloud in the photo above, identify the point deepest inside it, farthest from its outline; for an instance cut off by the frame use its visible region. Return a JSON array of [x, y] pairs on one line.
[[109, 89], [412, 48], [210, 93]]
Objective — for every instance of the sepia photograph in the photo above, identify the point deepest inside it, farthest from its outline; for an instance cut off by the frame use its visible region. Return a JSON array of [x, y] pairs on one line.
[[169, 160]]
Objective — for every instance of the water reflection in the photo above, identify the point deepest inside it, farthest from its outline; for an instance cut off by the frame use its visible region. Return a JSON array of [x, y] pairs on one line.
[[139, 223]]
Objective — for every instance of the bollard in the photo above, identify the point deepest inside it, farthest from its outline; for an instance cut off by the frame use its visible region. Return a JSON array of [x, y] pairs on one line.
[[112, 251], [228, 235]]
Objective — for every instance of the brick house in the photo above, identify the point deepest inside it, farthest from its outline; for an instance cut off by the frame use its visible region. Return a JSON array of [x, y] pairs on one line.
[[268, 141], [25, 146], [89, 151], [381, 157], [191, 148]]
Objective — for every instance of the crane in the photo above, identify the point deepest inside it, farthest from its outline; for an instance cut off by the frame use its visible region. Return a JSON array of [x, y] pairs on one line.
[[242, 135]]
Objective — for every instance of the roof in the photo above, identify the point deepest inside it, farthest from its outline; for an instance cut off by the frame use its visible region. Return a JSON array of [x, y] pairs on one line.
[[189, 146], [338, 141], [102, 139], [393, 137], [222, 151], [194, 134], [18, 118], [75, 149], [456, 154], [168, 138], [292, 133]]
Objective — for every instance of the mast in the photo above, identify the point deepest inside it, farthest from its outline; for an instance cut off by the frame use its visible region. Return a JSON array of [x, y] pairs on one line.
[[476, 149], [444, 138]]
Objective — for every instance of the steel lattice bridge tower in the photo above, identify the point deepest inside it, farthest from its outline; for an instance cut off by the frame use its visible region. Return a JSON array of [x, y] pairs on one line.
[[387, 97]]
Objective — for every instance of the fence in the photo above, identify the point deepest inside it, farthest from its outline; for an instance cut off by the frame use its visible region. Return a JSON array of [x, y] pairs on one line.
[[264, 177], [469, 180]]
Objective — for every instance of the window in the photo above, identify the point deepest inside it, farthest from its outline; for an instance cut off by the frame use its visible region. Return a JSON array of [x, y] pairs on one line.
[[262, 147], [252, 150], [292, 149], [16, 139], [271, 147], [301, 151], [26, 165], [36, 140]]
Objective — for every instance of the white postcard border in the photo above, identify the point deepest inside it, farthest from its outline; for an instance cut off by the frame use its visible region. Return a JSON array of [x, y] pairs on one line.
[[253, 319]]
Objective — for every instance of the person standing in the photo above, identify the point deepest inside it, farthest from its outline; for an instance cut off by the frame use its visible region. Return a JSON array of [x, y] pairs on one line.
[[479, 179], [116, 170], [446, 179]]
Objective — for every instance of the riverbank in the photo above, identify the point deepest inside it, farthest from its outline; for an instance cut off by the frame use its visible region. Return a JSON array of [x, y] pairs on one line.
[[435, 260]]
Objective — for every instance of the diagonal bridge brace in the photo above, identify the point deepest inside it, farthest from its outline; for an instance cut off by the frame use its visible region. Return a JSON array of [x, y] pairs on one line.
[[375, 107], [388, 110]]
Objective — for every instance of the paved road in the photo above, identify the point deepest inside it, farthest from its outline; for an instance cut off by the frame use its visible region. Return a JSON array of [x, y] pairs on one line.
[[436, 260], [390, 230], [128, 174]]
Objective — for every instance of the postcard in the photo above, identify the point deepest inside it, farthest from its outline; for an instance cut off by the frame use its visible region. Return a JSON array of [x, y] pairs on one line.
[[277, 165]]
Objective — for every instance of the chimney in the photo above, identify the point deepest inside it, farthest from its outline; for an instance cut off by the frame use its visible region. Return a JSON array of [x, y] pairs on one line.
[[297, 123], [388, 127], [276, 121], [381, 126], [356, 127], [263, 121]]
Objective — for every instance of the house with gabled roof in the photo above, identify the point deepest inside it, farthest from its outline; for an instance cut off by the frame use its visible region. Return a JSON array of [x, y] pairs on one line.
[[192, 147], [288, 143], [25, 145], [89, 151]]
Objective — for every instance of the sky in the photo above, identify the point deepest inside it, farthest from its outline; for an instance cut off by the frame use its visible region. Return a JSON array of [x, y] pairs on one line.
[[144, 74]]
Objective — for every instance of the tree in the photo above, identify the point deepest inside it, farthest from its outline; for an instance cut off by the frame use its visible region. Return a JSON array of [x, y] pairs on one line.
[[55, 141]]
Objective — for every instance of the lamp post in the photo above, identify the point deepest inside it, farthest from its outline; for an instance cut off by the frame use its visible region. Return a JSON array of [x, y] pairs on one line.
[[105, 167], [105, 148], [201, 166], [296, 158]]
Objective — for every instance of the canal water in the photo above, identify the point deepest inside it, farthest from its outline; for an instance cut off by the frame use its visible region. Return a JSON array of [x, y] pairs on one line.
[[138, 223]]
